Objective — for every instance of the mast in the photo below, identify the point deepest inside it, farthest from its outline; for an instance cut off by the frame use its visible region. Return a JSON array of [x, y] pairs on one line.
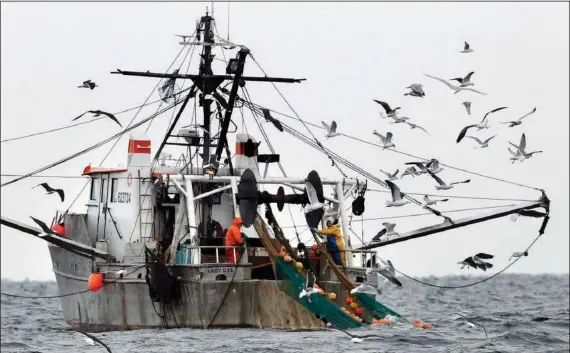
[[206, 69]]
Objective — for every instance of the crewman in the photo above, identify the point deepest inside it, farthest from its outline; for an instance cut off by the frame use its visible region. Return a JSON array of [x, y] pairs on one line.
[[335, 242], [234, 238]]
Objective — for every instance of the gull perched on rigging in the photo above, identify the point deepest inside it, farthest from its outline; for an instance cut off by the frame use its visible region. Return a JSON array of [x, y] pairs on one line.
[[476, 262], [397, 199], [430, 202], [482, 144], [482, 125], [393, 176], [389, 111], [97, 113], [466, 81], [51, 190], [367, 289], [331, 129], [467, 105], [388, 230], [455, 88], [413, 126], [387, 270], [522, 154], [386, 141], [88, 84], [268, 117], [519, 120], [442, 185], [518, 254], [466, 48], [410, 171], [416, 90]]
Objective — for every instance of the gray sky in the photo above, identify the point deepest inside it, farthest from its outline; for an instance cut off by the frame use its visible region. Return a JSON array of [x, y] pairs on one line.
[[520, 59]]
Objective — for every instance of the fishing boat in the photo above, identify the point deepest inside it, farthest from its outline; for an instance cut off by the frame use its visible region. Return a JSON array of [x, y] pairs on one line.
[[150, 252]]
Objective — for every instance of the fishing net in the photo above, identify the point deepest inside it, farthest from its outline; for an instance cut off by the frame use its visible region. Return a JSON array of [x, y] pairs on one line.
[[292, 283], [377, 309]]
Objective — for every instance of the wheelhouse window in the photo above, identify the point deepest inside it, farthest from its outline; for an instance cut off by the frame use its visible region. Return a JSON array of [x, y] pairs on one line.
[[94, 189], [114, 189]]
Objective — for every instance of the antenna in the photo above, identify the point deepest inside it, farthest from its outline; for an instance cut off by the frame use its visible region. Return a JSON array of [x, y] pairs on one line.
[[228, 21], [212, 9]]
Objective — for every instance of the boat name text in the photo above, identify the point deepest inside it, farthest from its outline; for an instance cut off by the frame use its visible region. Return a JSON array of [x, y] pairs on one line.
[[220, 270], [124, 197]]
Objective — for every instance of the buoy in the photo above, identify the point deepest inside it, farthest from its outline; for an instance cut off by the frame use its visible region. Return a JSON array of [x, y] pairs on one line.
[[287, 258], [59, 229], [358, 311], [348, 300], [321, 292], [359, 319], [315, 247], [95, 282], [383, 322], [352, 315], [332, 296], [299, 266], [418, 324], [426, 326], [282, 253], [353, 305]]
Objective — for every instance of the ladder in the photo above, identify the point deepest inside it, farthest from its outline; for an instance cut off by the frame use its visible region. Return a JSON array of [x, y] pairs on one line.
[[146, 216]]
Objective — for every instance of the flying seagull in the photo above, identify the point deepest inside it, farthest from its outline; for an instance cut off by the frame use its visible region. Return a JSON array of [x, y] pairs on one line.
[[413, 126], [387, 270], [397, 119], [477, 262], [97, 113], [397, 199], [387, 230], [466, 48], [416, 90], [518, 254], [430, 202], [482, 125], [455, 88], [393, 176], [43, 226], [421, 166], [331, 129], [389, 111], [386, 141], [467, 105], [88, 84], [466, 81], [268, 117], [410, 171], [433, 165], [519, 120], [51, 190], [482, 144], [307, 292], [90, 340], [522, 154], [354, 338], [442, 185], [366, 288]]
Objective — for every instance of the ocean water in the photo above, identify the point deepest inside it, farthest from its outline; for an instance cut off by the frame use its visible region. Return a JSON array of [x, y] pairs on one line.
[[505, 306]]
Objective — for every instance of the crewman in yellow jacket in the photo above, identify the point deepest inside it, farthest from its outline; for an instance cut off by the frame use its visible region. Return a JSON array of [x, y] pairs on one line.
[[335, 242]]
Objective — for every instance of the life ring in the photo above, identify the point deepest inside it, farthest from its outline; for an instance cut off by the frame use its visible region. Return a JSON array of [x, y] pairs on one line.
[[129, 179]]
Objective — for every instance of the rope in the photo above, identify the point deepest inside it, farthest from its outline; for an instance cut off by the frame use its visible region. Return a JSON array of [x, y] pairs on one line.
[[67, 294], [540, 233]]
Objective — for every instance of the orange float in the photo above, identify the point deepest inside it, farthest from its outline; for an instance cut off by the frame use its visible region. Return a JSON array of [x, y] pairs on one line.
[[95, 282], [282, 253], [353, 305], [426, 326], [358, 311], [332, 296], [287, 258], [348, 300], [299, 266]]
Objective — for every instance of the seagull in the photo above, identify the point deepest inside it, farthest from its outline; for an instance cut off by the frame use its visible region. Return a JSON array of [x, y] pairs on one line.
[[197, 127], [90, 340], [307, 292], [268, 117], [397, 119], [522, 154], [518, 254], [466, 81], [410, 171], [429, 202], [389, 111], [433, 165], [387, 230], [517, 156], [387, 270], [466, 48], [455, 88], [397, 200], [51, 190], [43, 226], [386, 141], [422, 167], [482, 144], [88, 84], [482, 125], [393, 176], [99, 112], [313, 198], [442, 185], [477, 262], [354, 338], [366, 288], [519, 121], [331, 129], [417, 90], [413, 126], [467, 105]]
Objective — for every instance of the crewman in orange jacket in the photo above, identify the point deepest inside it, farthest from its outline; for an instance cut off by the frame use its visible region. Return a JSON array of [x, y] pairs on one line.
[[234, 238]]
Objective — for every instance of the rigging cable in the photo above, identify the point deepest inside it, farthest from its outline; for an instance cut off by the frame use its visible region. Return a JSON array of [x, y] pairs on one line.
[[540, 233]]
